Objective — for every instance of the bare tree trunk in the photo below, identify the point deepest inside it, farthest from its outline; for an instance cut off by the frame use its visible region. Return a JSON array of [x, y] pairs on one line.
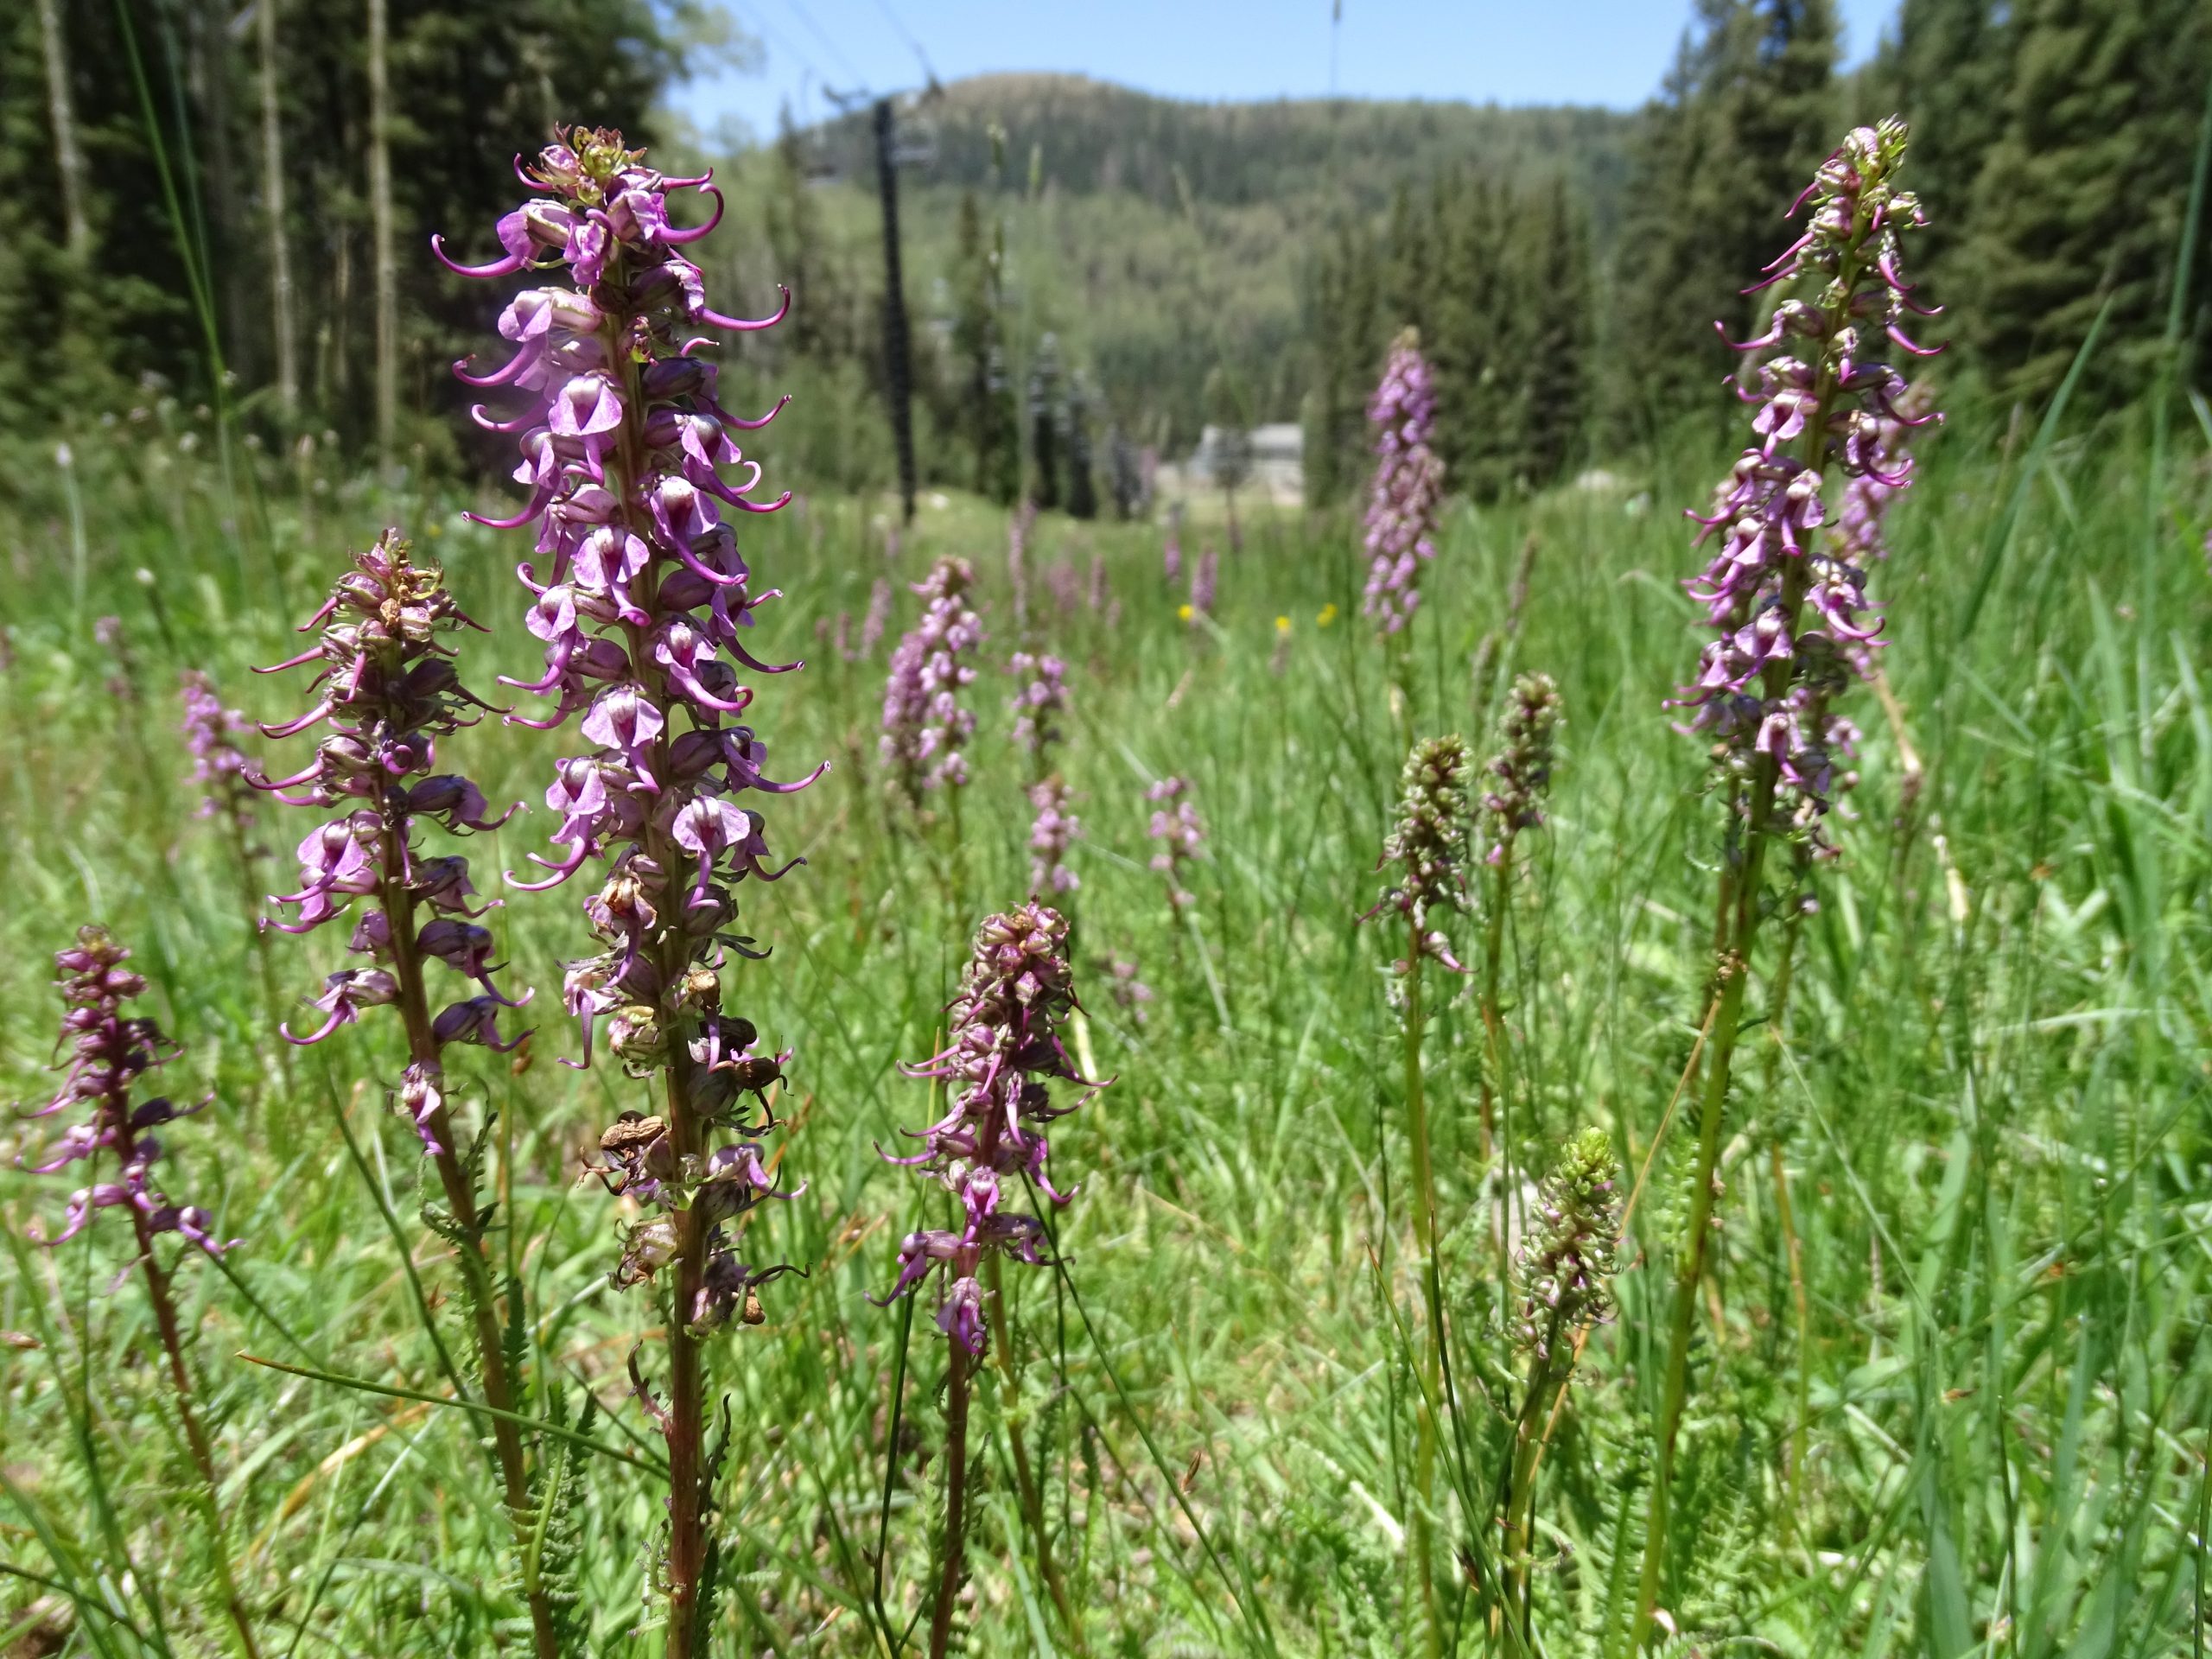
[[336, 330], [68, 158], [272, 202], [386, 267]]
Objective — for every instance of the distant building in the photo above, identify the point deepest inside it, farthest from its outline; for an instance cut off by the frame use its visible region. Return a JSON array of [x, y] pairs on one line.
[[1277, 453]]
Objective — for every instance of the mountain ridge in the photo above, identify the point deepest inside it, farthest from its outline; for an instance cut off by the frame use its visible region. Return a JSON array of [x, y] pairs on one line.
[[1085, 137]]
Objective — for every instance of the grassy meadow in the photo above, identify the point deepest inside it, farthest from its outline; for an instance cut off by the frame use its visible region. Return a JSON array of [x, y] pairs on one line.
[[1953, 1375]]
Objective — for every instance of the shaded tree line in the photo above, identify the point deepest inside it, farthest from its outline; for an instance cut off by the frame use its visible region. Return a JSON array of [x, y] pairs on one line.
[[2055, 142], [2057, 146], [210, 189], [249, 185], [1496, 278]]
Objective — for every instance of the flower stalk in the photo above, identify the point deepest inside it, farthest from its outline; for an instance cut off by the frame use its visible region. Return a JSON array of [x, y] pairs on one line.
[[643, 601], [1181, 833], [109, 1051], [223, 770], [1564, 1277], [1039, 705], [1428, 890], [925, 726], [389, 691], [1005, 1046], [1406, 488], [1786, 599], [1520, 775]]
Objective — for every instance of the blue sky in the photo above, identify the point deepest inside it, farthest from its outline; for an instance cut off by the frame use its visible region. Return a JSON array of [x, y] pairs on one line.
[[1610, 52]]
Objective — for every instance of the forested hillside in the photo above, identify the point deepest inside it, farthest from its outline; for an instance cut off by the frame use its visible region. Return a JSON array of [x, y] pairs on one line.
[[1091, 138]]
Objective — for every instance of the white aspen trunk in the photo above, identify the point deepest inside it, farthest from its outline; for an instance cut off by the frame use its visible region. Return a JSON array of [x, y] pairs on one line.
[[68, 159], [272, 201], [385, 267]]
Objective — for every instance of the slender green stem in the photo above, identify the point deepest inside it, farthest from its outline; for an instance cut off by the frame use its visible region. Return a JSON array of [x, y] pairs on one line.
[[195, 1435], [458, 1183], [953, 1569], [1517, 1505], [1425, 1234], [536, 1425], [1030, 1493], [1690, 1271], [1496, 1137], [955, 864], [891, 1450], [1793, 1476]]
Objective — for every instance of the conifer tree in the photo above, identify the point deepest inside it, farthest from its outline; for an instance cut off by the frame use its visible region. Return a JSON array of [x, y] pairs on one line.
[[985, 405], [467, 80], [1082, 487], [1047, 414], [1743, 119], [2081, 200], [1947, 71], [1230, 414], [1407, 276], [793, 221], [1478, 322], [1345, 330], [1556, 357]]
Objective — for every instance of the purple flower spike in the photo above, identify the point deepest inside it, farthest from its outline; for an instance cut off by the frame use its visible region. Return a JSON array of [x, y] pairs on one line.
[[1038, 705], [1432, 830], [925, 725], [1205, 580], [642, 596], [1130, 994], [385, 686], [878, 618], [218, 765], [1003, 1052], [1409, 484], [1521, 772], [108, 1054], [1054, 831], [1563, 1271], [1785, 594], [1181, 834]]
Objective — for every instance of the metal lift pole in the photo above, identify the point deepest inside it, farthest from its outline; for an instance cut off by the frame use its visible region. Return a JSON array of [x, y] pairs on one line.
[[897, 366]]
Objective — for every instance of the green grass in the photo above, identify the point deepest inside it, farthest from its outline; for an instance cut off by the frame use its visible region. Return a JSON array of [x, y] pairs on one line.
[[1988, 1098]]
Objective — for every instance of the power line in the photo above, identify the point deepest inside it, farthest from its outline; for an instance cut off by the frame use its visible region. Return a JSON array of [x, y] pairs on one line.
[[807, 20], [783, 45], [929, 70]]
